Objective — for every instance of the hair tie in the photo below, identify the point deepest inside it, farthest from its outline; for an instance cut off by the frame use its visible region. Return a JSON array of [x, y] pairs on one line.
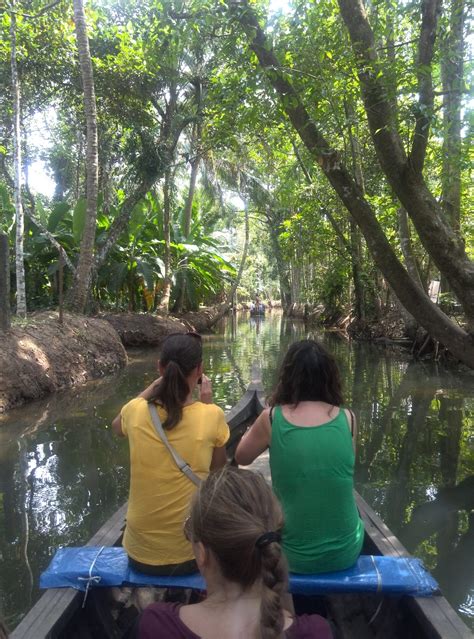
[[268, 538]]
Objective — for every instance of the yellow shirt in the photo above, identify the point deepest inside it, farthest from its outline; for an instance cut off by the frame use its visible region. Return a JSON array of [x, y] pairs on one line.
[[160, 493]]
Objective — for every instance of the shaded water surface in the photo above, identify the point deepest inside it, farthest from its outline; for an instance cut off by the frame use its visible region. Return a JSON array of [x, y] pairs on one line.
[[63, 473]]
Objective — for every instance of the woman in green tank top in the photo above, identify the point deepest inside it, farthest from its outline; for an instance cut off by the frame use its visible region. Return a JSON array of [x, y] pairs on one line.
[[312, 453]]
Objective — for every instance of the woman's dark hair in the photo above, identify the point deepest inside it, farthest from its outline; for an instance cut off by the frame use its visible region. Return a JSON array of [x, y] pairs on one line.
[[308, 373], [180, 354], [230, 512]]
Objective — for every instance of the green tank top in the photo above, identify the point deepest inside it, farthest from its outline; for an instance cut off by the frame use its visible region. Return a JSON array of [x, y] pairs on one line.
[[313, 476]]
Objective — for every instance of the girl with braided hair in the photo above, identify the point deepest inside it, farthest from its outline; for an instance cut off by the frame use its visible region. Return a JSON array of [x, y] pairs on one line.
[[234, 528], [159, 491], [311, 440]]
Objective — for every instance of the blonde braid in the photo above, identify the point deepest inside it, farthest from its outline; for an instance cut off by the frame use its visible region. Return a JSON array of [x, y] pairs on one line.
[[274, 582]]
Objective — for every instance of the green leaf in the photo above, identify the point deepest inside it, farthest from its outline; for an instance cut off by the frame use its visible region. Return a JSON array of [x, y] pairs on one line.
[[42, 213], [138, 217], [57, 214]]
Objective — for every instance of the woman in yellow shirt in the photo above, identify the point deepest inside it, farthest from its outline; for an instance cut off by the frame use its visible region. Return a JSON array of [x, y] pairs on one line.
[[159, 492]]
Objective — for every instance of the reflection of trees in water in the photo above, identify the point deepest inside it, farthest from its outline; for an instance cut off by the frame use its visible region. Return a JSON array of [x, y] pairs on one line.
[[450, 415], [439, 523], [455, 569], [26, 494], [237, 371], [380, 428], [368, 396], [398, 494], [58, 486], [410, 442], [10, 524], [455, 554]]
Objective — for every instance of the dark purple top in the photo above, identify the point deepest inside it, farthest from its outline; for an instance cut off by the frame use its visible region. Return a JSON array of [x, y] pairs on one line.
[[162, 620]]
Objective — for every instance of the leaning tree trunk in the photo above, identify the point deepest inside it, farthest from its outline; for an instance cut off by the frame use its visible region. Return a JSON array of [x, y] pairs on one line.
[[82, 281], [452, 71], [452, 75], [413, 298], [19, 216]]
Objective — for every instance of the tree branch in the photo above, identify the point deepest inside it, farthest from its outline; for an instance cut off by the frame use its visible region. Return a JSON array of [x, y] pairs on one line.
[[157, 106], [42, 11]]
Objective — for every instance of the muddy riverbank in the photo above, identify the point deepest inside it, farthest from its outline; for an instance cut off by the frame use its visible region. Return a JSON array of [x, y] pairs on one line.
[[41, 356]]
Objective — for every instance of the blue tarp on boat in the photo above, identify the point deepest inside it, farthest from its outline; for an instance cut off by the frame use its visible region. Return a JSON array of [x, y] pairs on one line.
[[91, 566]]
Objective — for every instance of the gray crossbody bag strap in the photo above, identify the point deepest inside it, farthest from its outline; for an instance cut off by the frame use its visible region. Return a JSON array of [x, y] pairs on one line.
[[179, 461]]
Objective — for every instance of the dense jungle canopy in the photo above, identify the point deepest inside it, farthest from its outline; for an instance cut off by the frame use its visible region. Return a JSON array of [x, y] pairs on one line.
[[315, 151]]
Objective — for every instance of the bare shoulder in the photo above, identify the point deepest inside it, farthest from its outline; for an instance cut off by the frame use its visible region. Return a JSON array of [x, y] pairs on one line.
[[265, 417]]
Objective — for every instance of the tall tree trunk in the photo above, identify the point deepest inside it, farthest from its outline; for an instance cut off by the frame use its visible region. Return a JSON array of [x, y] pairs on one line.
[[194, 161], [77, 180], [452, 70], [356, 264], [356, 248], [283, 276], [165, 298], [406, 245], [408, 292], [82, 281], [4, 283], [19, 217], [411, 325]]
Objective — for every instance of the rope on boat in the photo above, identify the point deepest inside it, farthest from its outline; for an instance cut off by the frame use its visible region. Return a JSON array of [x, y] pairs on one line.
[[379, 576], [374, 616], [379, 589], [90, 579]]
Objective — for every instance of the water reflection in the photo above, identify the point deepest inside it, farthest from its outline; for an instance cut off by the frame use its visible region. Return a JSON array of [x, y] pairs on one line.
[[62, 472]]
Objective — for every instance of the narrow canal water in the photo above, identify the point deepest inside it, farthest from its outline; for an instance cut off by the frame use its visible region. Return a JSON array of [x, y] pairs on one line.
[[63, 473]]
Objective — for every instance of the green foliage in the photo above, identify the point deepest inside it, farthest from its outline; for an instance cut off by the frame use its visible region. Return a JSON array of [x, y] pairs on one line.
[[148, 54]]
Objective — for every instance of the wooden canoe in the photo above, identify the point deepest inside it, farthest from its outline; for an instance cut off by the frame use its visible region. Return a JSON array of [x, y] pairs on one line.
[[59, 615]]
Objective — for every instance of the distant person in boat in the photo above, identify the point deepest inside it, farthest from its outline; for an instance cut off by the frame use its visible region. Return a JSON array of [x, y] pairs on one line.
[[311, 441], [257, 307], [159, 491], [234, 527]]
